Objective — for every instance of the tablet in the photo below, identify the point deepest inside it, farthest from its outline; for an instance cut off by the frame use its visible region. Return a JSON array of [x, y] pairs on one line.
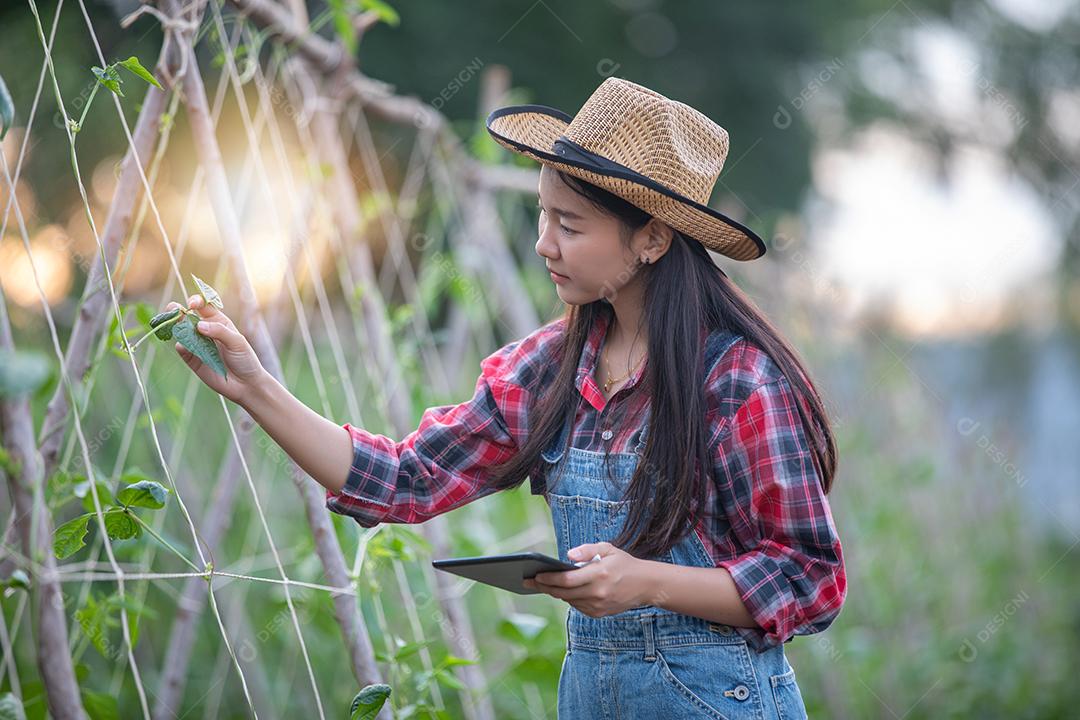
[[504, 571]]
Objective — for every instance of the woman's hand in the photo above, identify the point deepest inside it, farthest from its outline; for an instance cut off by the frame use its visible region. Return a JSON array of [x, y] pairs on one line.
[[612, 584], [243, 369]]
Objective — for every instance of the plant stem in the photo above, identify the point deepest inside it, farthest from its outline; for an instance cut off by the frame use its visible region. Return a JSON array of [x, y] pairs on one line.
[[89, 100], [165, 542], [171, 321]]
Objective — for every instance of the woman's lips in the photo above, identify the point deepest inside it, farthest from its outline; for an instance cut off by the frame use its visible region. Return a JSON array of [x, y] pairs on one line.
[[557, 277]]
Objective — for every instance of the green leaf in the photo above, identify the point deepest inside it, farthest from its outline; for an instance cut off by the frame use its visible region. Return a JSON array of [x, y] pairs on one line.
[[164, 333], [144, 312], [409, 649], [201, 346], [11, 467], [449, 680], [386, 13], [210, 295], [343, 24], [120, 525], [18, 579], [100, 706], [22, 372], [369, 701], [11, 708], [70, 537], [82, 490], [522, 628], [133, 64], [109, 78], [92, 618], [145, 493], [452, 660], [7, 110]]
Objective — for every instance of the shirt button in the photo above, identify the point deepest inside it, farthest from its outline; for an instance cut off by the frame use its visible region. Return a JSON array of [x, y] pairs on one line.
[[607, 434], [742, 692]]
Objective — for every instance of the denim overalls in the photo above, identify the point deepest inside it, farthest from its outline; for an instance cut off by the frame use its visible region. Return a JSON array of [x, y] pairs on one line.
[[649, 662]]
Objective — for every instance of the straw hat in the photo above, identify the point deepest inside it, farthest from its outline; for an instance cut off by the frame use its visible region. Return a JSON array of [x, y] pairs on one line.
[[658, 154]]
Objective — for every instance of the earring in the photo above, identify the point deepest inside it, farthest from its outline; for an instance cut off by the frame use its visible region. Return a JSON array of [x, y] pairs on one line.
[[646, 260]]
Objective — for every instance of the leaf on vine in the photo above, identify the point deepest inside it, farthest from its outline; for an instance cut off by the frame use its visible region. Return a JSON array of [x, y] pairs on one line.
[[18, 579], [133, 64], [7, 110], [101, 706], [210, 295], [369, 701], [70, 537], [119, 525], [145, 493], [164, 333], [109, 78], [200, 346], [81, 489], [10, 707], [385, 12]]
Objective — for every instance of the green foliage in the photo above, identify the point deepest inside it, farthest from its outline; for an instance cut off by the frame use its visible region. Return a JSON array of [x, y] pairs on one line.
[[109, 76], [70, 537], [369, 701], [100, 616], [162, 329], [133, 64], [209, 294], [121, 523], [144, 493], [7, 463], [11, 708], [180, 324], [100, 706], [23, 372], [202, 347], [18, 579], [385, 12]]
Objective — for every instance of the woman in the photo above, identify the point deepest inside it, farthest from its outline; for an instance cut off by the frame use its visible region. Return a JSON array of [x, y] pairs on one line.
[[716, 540]]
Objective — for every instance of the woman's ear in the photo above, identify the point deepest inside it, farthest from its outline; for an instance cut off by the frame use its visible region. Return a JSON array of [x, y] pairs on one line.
[[660, 236]]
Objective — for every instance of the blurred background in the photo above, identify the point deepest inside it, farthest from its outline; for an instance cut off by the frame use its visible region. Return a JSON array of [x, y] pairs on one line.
[[914, 167]]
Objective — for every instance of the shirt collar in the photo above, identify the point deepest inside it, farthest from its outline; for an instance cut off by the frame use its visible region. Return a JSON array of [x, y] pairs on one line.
[[585, 381], [590, 355]]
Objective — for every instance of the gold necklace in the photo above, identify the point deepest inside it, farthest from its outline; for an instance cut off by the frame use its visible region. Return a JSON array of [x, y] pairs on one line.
[[611, 381]]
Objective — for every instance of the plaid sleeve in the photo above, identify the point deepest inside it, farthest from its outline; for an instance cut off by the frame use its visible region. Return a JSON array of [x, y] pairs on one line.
[[791, 574], [441, 465]]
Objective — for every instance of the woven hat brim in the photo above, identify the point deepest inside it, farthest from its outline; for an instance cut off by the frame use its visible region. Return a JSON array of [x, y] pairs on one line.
[[532, 130]]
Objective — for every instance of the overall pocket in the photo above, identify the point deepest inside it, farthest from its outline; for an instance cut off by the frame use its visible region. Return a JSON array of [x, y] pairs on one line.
[[786, 695], [714, 680]]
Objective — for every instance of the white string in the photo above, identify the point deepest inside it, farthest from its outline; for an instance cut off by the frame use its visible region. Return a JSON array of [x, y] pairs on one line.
[[135, 369]]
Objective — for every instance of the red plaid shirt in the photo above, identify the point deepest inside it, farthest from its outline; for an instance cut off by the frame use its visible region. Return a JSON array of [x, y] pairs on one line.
[[770, 526]]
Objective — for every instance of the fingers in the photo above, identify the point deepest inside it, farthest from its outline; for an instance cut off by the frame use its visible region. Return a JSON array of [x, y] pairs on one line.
[[209, 312], [227, 336], [566, 593], [186, 355], [564, 578]]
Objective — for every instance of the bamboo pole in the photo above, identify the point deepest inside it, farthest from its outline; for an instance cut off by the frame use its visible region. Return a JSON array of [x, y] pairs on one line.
[[34, 524]]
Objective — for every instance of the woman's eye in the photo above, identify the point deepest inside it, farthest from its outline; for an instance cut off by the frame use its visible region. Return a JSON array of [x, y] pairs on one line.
[[566, 230]]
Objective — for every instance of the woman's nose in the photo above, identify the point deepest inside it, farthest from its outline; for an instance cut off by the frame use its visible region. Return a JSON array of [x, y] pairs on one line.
[[544, 246]]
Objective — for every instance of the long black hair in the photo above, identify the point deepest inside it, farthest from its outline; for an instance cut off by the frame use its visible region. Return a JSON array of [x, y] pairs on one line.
[[684, 291]]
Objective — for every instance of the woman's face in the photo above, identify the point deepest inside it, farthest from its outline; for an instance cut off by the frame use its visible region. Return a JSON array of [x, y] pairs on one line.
[[579, 241]]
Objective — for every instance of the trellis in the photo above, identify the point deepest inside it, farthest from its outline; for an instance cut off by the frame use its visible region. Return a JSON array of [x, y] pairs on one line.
[[337, 99]]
